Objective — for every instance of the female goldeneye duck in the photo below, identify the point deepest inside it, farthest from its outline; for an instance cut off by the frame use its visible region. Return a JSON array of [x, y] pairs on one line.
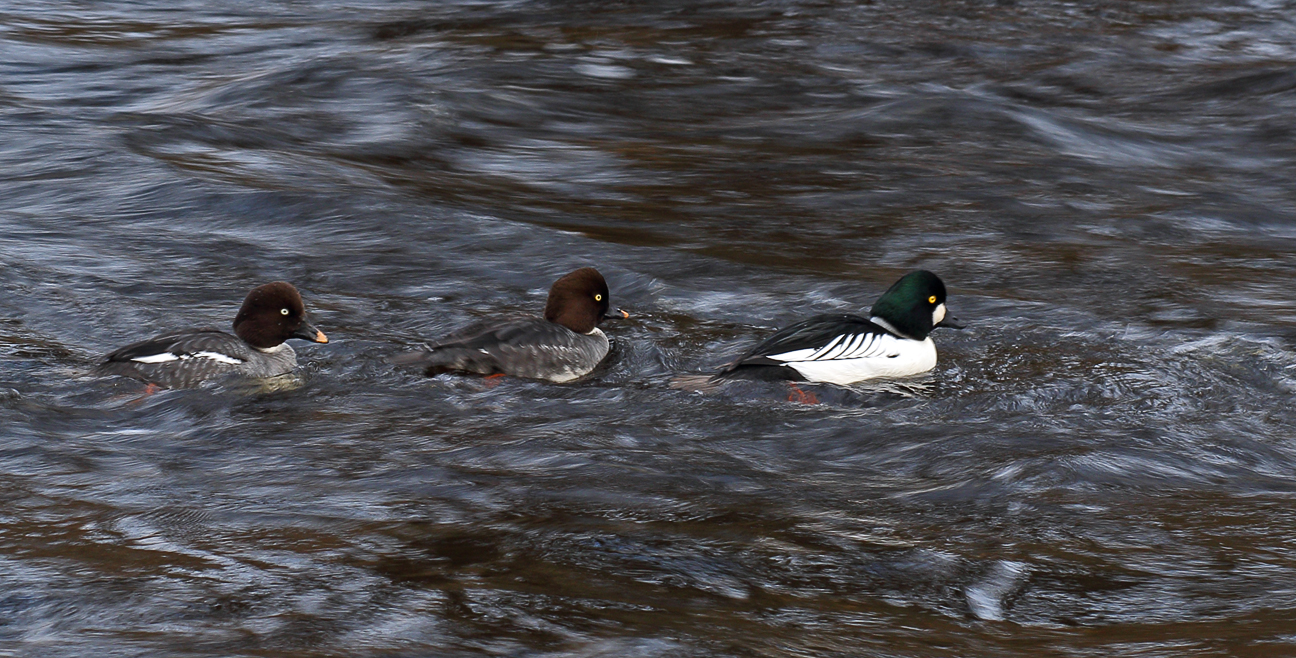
[[843, 349], [270, 315], [563, 345]]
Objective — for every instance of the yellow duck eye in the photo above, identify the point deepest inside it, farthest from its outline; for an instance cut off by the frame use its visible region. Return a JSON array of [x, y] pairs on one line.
[[284, 311], [598, 297], [931, 300]]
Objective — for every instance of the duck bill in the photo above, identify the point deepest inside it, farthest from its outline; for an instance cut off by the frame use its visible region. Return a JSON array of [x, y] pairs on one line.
[[615, 314], [951, 322], [308, 332]]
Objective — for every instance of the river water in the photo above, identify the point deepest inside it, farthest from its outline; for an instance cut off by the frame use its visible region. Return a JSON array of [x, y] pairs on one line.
[[1101, 464]]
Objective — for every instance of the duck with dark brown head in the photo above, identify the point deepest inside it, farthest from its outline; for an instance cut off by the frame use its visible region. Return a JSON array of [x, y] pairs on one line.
[[271, 314], [564, 345]]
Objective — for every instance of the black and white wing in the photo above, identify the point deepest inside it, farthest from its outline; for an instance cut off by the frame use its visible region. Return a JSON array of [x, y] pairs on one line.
[[180, 360], [822, 339]]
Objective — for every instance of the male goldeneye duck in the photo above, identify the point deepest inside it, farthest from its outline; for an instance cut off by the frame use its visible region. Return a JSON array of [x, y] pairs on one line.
[[563, 345], [844, 349], [270, 315]]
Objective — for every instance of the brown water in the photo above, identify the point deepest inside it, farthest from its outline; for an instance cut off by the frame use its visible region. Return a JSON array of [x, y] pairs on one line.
[[1103, 464]]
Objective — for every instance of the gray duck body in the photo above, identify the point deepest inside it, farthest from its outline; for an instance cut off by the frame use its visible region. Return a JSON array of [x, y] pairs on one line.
[[564, 345], [534, 348], [187, 358]]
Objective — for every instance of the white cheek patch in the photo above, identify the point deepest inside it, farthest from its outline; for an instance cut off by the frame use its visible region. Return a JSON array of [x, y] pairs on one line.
[[938, 314]]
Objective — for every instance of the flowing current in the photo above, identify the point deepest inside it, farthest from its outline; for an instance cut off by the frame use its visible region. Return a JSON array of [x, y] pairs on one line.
[[1102, 464]]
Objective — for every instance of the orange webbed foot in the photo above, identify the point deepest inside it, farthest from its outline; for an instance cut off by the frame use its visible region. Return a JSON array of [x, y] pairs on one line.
[[798, 395], [149, 389]]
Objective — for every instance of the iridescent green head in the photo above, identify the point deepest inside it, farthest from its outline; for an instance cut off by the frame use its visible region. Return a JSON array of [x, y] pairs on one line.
[[915, 305]]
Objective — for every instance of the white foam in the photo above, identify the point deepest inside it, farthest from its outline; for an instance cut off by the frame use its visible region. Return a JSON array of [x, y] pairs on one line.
[[986, 597]]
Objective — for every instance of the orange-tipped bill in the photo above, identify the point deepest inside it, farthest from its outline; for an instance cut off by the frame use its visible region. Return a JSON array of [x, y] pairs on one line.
[[307, 332]]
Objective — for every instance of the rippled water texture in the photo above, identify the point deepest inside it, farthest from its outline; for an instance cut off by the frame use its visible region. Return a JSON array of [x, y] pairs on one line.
[[1102, 464]]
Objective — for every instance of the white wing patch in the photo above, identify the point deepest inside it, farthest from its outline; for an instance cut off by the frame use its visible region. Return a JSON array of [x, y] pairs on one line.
[[166, 357], [217, 356], [157, 358]]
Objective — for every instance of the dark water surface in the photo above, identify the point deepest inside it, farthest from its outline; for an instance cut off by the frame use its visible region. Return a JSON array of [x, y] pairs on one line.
[[1102, 464]]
